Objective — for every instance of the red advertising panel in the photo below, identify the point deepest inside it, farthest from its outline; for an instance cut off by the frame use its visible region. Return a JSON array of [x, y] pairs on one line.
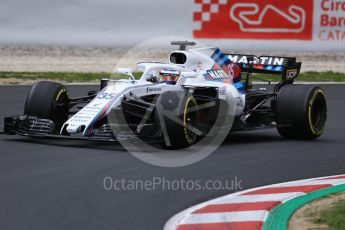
[[254, 19]]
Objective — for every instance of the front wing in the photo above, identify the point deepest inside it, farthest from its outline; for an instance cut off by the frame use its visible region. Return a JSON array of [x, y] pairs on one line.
[[44, 128]]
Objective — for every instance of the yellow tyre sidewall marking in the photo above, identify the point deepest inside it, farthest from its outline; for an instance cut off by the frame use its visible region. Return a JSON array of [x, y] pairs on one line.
[[311, 102], [60, 93], [189, 99]]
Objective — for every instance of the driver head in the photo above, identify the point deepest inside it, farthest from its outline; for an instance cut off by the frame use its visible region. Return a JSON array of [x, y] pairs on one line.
[[169, 76]]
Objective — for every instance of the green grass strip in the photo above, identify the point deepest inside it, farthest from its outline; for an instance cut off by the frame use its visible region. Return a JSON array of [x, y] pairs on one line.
[[278, 218], [95, 77], [307, 77], [334, 216]]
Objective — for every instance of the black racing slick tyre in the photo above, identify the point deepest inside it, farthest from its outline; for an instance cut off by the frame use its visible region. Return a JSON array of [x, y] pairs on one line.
[[178, 117], [301, 112], [48, 100]]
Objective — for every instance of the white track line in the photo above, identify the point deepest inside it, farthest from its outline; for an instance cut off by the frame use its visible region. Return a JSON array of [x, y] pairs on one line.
[[282, 197], [242, 216]]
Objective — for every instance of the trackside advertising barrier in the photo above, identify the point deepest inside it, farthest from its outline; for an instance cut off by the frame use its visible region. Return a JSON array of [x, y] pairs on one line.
[[317, 24], [293, 25]]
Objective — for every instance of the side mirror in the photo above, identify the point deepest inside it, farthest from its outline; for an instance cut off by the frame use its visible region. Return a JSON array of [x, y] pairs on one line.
[[126, 71], [152, 78]]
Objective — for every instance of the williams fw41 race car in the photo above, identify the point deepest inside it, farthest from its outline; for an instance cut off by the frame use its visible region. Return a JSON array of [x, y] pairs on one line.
[[176, 104]]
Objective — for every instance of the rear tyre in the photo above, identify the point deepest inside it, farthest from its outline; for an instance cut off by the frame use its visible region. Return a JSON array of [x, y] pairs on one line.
[[301, 112], [48, 100], [178, 117]]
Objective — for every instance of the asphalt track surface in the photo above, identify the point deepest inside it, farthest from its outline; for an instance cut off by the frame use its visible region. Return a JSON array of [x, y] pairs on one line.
[[59, 184]]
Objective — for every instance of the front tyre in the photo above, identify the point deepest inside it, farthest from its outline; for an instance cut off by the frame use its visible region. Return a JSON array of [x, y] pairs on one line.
[[178, 117], [301, 112], [48, 100]]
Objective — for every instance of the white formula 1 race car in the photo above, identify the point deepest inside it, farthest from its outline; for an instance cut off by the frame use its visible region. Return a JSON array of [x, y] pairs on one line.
[[176, 104]]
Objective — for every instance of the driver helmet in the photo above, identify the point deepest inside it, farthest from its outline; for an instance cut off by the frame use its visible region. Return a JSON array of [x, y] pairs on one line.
[[169, 76]]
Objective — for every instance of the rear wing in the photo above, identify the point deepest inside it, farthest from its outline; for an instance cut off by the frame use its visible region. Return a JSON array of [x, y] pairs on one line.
[[286, 66]]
